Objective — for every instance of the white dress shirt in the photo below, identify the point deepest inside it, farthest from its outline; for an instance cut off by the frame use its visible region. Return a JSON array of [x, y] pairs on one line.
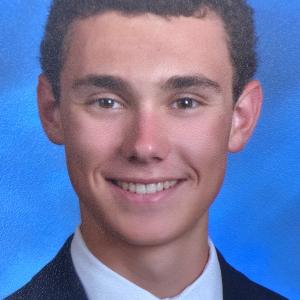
[[102, 283]]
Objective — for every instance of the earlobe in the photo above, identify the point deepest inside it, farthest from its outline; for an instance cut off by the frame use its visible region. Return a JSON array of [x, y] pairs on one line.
[[245, 116], [49, 111]]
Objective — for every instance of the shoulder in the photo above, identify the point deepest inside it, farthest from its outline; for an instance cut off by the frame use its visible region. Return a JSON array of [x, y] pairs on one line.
[[57, 280], [237, 286]]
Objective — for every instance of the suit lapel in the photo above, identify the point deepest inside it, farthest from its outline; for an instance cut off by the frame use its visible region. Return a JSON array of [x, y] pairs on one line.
[[69, 284]]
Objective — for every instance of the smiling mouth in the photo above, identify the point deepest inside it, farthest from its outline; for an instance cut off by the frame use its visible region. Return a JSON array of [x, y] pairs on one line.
[[142, 189]]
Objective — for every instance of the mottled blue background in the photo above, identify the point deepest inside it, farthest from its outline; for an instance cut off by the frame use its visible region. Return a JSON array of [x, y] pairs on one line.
[[255, 221]]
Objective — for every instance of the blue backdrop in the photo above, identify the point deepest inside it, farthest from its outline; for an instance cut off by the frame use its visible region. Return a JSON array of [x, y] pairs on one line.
[[255, 220]]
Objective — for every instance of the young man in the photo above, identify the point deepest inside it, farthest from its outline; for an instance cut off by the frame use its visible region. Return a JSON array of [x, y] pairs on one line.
[[147, 97]]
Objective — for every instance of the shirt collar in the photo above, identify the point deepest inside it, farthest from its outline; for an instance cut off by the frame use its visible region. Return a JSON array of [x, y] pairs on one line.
[[100, 282]]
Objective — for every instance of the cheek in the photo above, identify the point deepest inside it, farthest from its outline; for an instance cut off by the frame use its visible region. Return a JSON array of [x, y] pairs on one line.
[[204, 150], [203, 144], [90, 143]]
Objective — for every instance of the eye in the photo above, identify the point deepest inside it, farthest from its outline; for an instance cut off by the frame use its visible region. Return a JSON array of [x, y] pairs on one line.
[[186, 103], [107, 103]]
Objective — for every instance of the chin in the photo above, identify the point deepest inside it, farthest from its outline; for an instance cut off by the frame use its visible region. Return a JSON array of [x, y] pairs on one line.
[[154, 232]]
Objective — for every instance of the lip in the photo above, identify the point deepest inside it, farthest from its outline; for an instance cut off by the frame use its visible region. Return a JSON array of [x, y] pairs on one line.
[[158, 197], [144, 181]]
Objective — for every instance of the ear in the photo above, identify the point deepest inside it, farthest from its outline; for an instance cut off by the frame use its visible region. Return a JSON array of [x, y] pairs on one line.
[[49, 111], [245, 116]]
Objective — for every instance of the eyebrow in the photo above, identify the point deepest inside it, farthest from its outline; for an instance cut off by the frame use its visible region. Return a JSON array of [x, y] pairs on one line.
[[191, 81], [109, 82], [118, 84]]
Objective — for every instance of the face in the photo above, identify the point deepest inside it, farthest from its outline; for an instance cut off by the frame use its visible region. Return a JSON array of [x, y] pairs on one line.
[[147, 117]]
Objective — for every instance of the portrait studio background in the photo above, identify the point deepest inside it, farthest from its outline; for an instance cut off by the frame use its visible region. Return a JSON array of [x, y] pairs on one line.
[[255, 220]]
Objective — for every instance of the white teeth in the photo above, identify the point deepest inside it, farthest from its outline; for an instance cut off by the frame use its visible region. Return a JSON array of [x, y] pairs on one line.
[[160, 186], [131, 187], [125, 185], [142, 189], [166, 185], [151, 188]]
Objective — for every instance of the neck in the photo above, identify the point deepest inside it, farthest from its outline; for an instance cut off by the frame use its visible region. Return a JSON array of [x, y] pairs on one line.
[[153, 268]]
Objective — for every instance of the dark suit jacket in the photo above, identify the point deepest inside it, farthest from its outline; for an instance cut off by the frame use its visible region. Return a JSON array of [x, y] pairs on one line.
[[59, 281]]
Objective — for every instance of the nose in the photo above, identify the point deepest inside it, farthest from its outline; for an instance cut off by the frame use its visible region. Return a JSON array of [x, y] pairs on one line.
[[146, 139]]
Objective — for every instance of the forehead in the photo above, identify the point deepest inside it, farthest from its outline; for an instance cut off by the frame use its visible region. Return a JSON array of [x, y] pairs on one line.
[[148, 44]]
